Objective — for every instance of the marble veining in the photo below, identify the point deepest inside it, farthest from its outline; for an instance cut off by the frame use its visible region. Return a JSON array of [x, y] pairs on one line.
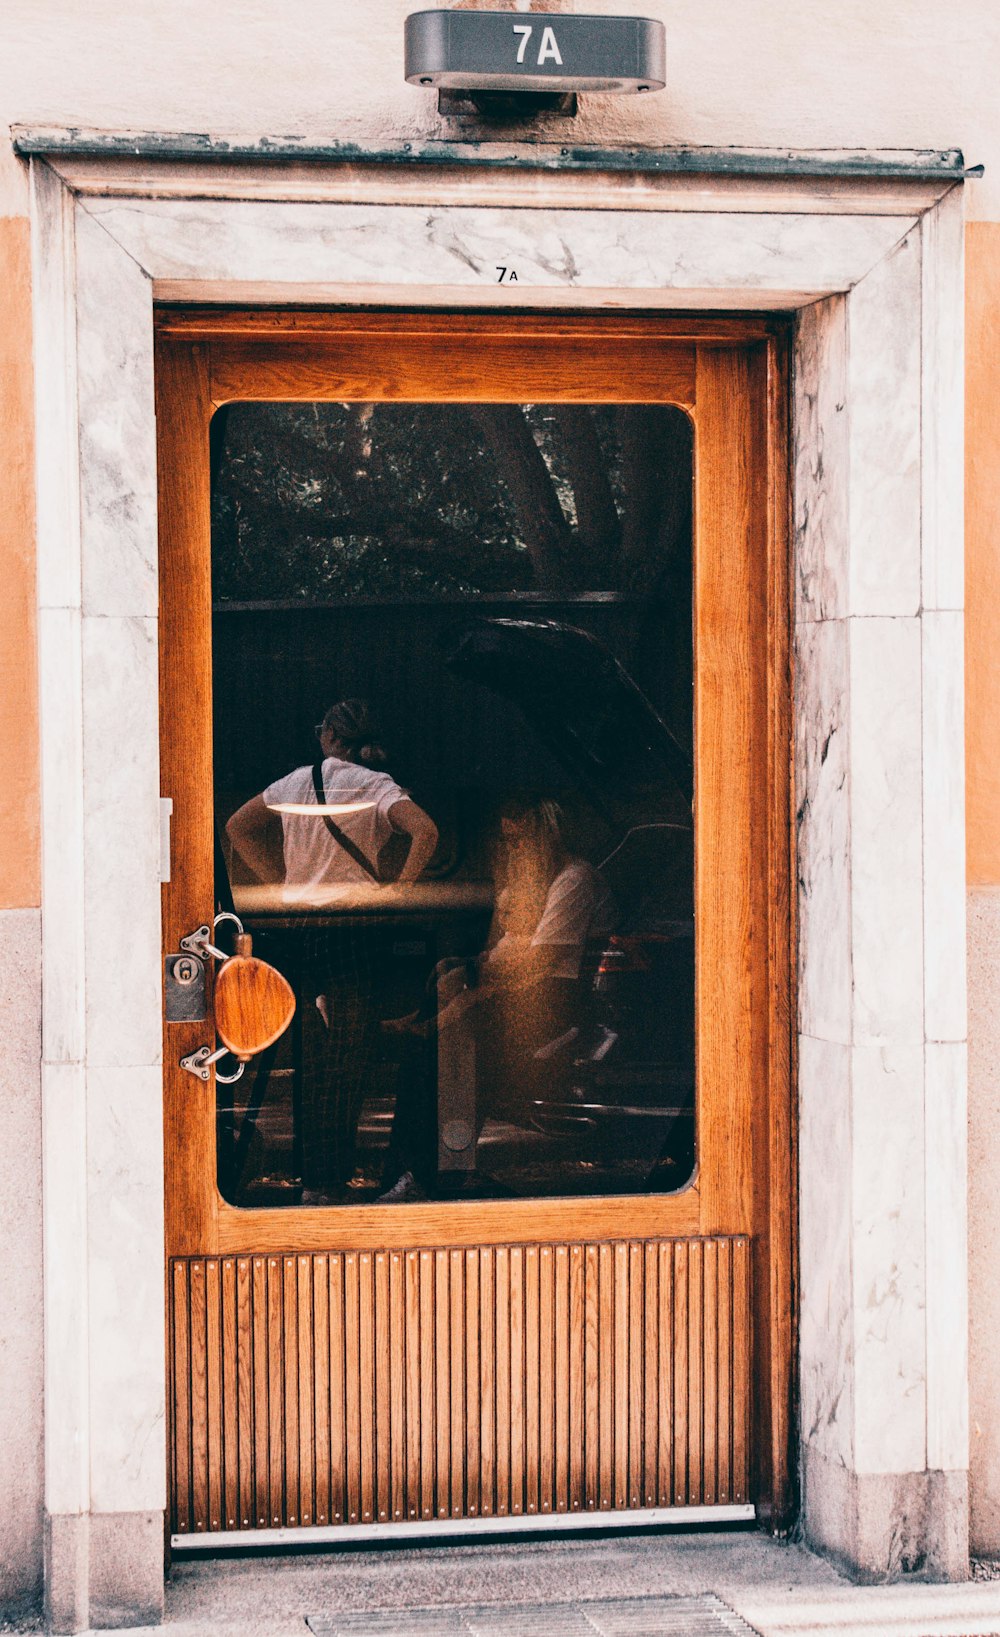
[[822, 775], [886, 830], [122, 829], [124, 1215], [888, 1259], [412, 244], [884, 392], [60, 677], [821, 452], [942, 522], [946, 1166], [826, 1329], [945, 1003], [117, 427]]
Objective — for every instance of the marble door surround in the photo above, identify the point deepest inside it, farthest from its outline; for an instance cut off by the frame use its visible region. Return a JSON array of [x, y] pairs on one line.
[[870, 257]]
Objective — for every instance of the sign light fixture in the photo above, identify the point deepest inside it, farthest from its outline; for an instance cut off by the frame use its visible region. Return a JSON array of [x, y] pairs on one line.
[[534, 51]]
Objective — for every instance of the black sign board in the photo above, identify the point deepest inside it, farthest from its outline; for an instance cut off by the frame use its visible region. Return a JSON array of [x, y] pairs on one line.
[[534, 51]]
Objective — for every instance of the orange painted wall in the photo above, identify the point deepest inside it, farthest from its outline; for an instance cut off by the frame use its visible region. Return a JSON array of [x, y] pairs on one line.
[[982, 546], [19, 832]]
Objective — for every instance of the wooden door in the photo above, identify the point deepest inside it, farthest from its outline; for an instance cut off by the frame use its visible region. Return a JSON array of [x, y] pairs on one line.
[[517, 1358]]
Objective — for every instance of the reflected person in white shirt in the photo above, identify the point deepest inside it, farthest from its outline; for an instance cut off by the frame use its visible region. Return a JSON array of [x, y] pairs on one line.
[[334, 843]]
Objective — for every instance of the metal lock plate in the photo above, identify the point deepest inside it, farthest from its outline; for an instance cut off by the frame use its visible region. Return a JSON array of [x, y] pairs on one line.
[[184, 988]]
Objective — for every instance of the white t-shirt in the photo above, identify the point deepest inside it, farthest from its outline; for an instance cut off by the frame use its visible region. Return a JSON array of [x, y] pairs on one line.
[[578, 906], [313, 858]]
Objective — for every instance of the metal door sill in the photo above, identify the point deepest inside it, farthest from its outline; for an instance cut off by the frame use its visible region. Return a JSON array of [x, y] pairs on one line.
[[676, 1517]]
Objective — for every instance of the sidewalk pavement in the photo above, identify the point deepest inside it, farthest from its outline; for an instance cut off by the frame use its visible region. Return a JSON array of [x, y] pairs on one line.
[[780, 1590]]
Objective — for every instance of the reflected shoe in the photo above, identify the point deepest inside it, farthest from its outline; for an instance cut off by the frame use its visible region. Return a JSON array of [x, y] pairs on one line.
[[406, 1190]]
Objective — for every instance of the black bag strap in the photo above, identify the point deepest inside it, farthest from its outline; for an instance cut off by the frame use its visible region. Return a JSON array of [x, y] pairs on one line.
[[350, 847]]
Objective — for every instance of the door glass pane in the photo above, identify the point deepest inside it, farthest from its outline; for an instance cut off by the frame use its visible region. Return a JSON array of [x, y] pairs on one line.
[[453, 783]]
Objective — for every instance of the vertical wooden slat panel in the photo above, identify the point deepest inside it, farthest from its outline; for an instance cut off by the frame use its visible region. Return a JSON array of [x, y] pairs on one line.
[[275, 1393], [362, 1386], [577, 1343], [352, 1389], [230, 1401], [517, 1482], [562, 1384], [306, 1385], [741, 1369], [366, 1383], [546, 1383], [428, 1385], [244, 1389], [636, 1361], [182, 1368], [397, 1397], [606, 1379], [442, 1398], [709, 1377], [338, 1393], [665, 1446], [695, 1364], [383, 1390], [321, 1340], [531, 1382], [414, 1350], [651, 1376], [261, 1410], [591, 1377], [621, 1380], [679, 1341], [472, 1385], [725, 1372], [487, 1381], [505, 1414], [458, 1410], [213, 1383], [291, 1360], [199, 1398]]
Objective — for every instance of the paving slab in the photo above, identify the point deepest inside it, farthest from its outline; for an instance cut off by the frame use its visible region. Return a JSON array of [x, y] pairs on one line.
[[778, 1589]]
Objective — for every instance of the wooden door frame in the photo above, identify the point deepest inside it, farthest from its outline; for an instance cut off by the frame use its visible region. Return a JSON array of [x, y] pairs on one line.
[[208, 356]]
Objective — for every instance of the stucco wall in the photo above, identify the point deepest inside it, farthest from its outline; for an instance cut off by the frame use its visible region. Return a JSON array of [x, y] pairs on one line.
[[766, 72], [908, 73]]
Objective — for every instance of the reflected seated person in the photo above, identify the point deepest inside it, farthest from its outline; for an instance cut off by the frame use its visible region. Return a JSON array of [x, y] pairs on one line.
[[521, 996]]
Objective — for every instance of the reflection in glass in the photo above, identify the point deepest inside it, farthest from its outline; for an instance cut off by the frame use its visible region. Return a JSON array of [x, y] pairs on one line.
[[477, 870]]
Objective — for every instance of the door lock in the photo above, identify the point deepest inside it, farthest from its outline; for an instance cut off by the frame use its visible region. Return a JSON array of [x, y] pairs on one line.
[[253, 1003]]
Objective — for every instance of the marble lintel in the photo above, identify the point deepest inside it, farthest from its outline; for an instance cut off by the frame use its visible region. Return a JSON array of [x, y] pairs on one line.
[[252, 241]]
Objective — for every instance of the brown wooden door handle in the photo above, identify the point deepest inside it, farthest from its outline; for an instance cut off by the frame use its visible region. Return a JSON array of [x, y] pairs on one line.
[[254, 1004]]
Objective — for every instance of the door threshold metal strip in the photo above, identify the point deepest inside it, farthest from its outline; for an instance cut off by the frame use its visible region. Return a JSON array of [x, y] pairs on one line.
[[675, 1517]]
